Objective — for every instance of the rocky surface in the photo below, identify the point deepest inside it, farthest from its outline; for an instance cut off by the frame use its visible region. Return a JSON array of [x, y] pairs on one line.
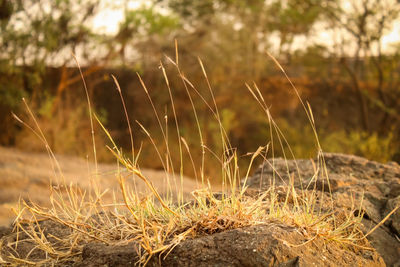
[[261, 245], [275, 244], [351, 179], [272, 244]]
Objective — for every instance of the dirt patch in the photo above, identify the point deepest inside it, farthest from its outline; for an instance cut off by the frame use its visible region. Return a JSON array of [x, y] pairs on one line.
[[29, 175]]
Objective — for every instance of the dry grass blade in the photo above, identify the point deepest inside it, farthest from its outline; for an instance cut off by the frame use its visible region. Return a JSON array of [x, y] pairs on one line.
[[130, 167], [157, 224], [126, 116], [90, 112], [382, 221]]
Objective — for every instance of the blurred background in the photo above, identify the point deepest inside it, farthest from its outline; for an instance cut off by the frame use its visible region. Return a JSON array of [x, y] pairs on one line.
[[343, 57]]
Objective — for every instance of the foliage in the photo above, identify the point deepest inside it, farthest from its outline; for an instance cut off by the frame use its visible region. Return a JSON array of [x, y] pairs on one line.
[[352, 76], [373, 146], [363, 144], [34, 35]]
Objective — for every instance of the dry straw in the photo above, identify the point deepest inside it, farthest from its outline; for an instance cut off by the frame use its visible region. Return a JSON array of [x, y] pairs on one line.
[[156, 224]]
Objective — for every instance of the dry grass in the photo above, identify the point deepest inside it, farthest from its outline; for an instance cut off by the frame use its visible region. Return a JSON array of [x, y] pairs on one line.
[[157, 224]]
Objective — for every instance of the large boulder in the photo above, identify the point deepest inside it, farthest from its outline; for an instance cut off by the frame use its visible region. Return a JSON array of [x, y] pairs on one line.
[[268, 244], [353, 182], [272, 244]]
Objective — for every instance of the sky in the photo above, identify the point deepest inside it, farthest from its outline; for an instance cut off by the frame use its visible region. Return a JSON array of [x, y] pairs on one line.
[[112, 13]]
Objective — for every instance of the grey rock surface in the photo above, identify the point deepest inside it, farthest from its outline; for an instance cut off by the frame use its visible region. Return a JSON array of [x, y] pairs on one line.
[[352, 181]]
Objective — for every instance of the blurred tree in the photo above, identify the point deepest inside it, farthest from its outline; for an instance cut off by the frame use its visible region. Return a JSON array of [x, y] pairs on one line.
[[40, 33], [294, 18], [363, 24], [144, 29], [34, 35], [352, 76], [232, 37]]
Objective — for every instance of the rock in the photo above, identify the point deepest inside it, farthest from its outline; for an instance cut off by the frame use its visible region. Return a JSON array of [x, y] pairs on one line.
[[394, 220], [269, 244], [99, 254], [4, 231], [52, 232], [350, 178], [259, 245], [384, 242]]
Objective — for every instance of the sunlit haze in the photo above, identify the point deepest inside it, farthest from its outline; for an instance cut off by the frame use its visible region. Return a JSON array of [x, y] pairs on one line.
[[111, 13]]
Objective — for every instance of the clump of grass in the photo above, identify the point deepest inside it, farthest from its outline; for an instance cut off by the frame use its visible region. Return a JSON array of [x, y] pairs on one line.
[[157, 224]]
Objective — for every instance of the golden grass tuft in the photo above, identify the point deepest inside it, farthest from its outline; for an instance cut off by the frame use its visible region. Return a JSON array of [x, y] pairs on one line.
[[157, 224]]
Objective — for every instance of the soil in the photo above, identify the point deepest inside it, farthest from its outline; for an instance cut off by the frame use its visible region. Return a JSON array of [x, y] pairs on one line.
[[272, 243], [29, 176]]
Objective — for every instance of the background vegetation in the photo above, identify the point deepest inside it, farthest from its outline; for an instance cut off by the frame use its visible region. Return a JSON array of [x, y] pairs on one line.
[[351, 81]]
